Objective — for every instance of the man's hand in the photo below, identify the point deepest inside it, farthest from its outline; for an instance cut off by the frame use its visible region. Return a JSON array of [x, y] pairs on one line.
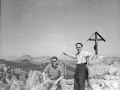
[[54, 86], [69, 56], [55, 83], [45, 83]]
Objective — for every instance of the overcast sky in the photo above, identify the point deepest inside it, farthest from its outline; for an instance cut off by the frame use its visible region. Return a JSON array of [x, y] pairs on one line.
[[50, 27]]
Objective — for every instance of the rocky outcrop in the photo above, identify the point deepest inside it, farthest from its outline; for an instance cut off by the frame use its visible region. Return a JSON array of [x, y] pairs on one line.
[[104, 73]]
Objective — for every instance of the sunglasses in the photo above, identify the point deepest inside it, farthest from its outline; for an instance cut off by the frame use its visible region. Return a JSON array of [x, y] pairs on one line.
[[53, 61], [78, 47]]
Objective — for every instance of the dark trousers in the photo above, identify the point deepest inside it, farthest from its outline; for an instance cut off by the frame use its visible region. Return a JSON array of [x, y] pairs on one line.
[[79, 77]]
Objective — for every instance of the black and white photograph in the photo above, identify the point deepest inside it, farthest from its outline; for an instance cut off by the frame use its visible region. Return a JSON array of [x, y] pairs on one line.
[[60, 45]]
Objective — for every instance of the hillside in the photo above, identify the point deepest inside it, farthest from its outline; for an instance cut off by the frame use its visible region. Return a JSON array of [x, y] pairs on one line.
[[33, 59]]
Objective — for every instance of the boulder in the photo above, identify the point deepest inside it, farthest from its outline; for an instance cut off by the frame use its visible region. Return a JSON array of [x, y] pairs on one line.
[[104, 73]]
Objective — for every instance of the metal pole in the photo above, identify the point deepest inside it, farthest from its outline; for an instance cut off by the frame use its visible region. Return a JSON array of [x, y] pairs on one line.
[[65, 66]]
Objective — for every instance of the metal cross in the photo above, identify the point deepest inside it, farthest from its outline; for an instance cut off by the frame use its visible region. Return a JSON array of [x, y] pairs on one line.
[[96, 39]]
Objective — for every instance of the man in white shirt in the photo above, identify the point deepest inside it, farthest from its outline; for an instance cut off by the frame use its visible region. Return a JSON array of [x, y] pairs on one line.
[[80, 71]]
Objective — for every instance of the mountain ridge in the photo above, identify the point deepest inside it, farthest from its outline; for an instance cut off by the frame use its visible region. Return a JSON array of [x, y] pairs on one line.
[[27, 65]]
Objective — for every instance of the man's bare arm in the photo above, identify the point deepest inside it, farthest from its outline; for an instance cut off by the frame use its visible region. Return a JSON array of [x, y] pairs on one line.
[[44, 76], [69, 56], [55, 83], [89, 58]]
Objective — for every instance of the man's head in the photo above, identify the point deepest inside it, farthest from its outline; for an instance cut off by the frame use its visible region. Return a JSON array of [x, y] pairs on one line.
[[79, 46], [54, 60]]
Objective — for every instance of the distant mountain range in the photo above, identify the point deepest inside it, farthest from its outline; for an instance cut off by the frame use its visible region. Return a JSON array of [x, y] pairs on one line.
[[27, 62]]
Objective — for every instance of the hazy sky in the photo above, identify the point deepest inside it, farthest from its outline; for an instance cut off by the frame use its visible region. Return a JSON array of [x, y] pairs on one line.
[[50, 27]]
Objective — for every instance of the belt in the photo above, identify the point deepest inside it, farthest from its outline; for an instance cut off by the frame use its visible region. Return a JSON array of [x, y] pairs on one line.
[[80, 63]]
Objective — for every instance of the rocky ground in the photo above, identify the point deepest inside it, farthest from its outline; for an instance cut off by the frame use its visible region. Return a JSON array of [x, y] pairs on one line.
[[104, 73]]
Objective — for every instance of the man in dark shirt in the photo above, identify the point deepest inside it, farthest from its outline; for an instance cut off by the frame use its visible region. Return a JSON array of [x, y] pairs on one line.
[[55, 74]]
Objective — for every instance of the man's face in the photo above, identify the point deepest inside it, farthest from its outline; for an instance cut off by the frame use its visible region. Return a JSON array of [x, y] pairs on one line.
[[54, 62], [78, 47]]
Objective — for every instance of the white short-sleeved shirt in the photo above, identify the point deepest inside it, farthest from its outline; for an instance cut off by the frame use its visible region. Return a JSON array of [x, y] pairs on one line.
[[82, 56]]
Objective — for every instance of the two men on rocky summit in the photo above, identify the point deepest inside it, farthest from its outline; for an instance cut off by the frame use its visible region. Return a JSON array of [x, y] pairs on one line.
[[53, 74], [56, 74]]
